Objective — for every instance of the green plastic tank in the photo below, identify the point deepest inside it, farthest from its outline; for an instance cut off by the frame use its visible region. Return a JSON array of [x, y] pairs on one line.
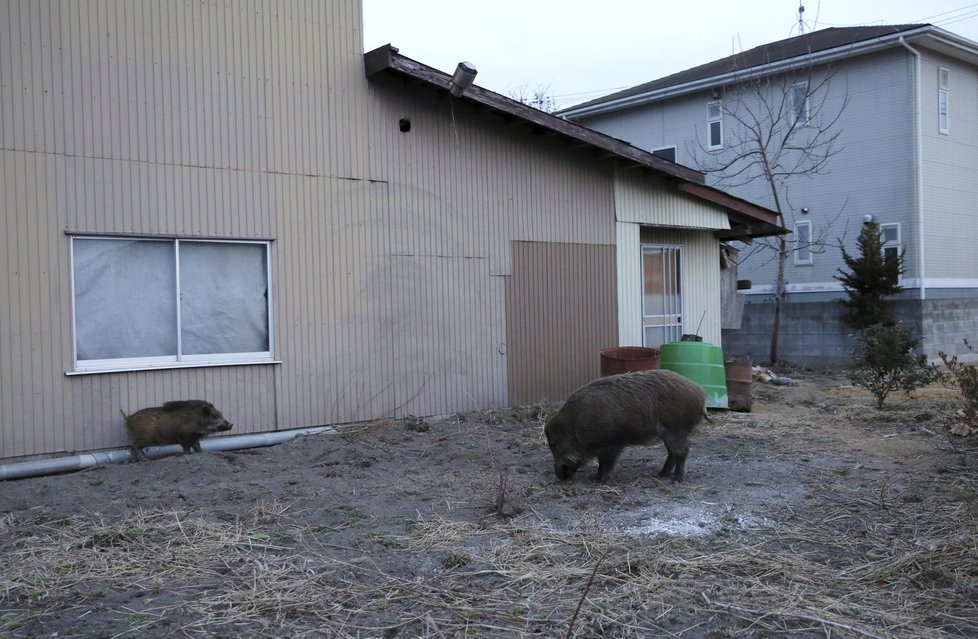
[[701, 362]]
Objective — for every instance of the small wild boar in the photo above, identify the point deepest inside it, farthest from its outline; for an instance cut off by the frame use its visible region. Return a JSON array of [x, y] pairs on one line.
[[181, 422], [603, 417]]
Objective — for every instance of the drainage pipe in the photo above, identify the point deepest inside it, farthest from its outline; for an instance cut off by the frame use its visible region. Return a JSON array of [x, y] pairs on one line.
[[918, 164], [71, 463]]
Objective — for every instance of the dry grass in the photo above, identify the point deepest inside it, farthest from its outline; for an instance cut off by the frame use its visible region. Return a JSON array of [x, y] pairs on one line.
[[851, 565]]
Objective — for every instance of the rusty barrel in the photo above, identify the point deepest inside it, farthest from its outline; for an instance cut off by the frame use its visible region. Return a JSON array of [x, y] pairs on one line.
[[628, 359], [739, 378]]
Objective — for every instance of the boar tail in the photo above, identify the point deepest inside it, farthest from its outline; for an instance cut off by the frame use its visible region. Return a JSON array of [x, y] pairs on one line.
[[124, 416]]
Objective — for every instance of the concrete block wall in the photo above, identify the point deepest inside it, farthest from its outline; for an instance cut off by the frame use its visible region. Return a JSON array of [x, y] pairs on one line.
[[813, 335]]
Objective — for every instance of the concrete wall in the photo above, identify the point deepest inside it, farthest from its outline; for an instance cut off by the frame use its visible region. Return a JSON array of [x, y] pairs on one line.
[[813, 335]]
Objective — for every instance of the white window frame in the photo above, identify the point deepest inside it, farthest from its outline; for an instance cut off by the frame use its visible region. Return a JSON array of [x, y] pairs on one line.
[[714, 119], [943, 100], [803, 252], [671, 322], [896, 244], [177, 360], [802, 115]]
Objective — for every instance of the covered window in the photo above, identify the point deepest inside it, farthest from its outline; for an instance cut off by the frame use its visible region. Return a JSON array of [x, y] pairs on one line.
[[147, 303], [943, 80], [714, 118], [890, 238], [799, 104], [803, 242], [666, 152]]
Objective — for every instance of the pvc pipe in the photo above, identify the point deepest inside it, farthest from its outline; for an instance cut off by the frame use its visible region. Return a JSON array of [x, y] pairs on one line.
[[919, 161], [71, 463]]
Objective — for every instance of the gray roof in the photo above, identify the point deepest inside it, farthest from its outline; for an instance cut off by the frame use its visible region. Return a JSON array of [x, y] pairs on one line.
[[783, 50]]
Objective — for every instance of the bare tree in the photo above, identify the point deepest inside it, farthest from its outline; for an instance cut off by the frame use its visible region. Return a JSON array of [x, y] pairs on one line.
[[538, 98], [776, 129]]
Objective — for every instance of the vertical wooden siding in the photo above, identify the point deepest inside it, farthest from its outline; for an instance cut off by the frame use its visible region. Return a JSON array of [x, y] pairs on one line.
[[560, 313], [630, 306], [642, 199]]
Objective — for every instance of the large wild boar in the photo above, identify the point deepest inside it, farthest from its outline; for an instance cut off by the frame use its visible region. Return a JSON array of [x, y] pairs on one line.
[[603, 417], [181, 422]]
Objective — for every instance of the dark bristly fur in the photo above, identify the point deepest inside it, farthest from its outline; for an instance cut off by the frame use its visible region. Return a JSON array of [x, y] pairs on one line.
[[182, 422], [601, 418]]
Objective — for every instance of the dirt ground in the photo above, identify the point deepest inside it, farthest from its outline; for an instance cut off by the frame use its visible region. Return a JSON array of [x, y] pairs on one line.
[[814, 515]]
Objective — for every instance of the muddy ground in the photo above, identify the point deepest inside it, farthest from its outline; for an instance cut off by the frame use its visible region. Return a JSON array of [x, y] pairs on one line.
[[814, 515]]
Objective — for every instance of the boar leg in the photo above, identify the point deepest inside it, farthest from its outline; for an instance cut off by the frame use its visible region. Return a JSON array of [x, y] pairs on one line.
[[137, 454], [676, 461], [606, 461], [190, 444]]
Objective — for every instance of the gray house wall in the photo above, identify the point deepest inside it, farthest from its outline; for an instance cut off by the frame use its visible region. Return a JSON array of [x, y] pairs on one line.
[[875, 172], [872, 172]]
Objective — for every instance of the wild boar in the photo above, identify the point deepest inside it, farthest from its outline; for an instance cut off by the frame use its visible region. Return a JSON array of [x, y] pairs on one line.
[[603, 417], [181, 422]]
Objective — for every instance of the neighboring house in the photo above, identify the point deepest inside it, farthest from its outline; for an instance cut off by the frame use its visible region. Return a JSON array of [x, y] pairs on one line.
[[906, 98], [230, 201]]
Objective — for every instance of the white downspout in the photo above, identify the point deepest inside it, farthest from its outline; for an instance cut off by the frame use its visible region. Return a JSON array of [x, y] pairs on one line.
[[54, 465], [918, 165]]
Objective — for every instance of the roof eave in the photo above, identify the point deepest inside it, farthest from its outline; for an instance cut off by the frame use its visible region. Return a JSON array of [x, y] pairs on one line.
[[779, 66], [747, 220], [387, 59]]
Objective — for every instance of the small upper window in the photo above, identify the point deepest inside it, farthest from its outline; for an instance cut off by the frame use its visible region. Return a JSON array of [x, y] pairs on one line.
[[155, 303], [943, 82], [714, 118], [799, 103], [803, 242], [666, 153]]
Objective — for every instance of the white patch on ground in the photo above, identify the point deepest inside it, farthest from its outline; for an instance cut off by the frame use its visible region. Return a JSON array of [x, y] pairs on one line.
[[683, 520]]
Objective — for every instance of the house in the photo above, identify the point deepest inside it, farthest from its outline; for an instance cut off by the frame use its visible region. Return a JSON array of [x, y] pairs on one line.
[[231, 201], [902, 103]]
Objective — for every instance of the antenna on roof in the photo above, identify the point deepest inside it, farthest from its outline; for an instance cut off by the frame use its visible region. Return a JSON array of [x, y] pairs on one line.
[[801, 18]]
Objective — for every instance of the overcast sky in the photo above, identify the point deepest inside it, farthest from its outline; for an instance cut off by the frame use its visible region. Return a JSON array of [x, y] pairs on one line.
[[576, 50]]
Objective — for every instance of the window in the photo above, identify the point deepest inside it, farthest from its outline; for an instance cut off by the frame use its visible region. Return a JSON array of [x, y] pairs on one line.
[[714, 118], [942, 100], [890, 238], [803, 242], [667, 153], [799, 104], [148, 303], [662, 304]]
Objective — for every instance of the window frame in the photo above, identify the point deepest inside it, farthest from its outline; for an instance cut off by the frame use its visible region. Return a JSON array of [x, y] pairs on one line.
[[178, 359], [710, 121], [799, 261], [670, 321], [943, 100], [895, 244], [803, 115]]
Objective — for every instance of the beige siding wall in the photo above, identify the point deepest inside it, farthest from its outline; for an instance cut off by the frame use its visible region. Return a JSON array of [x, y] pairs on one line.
[[218, 119], [425, 272], [700, 278], [464, 189], [560, 311], [643, 199], [629, 260]]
